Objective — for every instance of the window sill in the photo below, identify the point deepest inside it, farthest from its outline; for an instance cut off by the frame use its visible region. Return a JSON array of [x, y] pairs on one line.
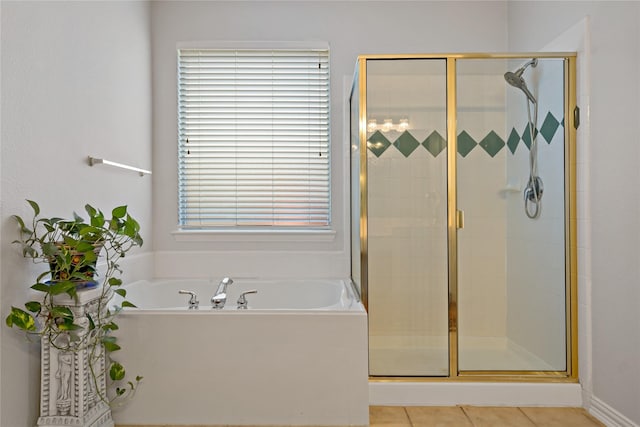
[[247, 235]]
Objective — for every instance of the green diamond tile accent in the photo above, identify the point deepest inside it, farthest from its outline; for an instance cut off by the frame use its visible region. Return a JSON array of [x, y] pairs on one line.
[[435, 143], [378, 143], [492, 143], [406, 143], [465, 143], [549, 127], [513, 140], [526, 137]]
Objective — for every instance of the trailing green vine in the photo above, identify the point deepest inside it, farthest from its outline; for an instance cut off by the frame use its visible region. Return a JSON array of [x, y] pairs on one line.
[[70, 249]]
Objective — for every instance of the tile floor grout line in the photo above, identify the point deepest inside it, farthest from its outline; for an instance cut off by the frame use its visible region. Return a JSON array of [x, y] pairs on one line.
[[466, 415], [404, 408], [526, 416]]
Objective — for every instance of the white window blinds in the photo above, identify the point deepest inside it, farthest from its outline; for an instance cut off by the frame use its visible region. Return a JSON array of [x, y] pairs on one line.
[[253, 138]]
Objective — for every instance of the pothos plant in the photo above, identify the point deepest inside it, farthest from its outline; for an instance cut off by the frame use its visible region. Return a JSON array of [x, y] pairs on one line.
[[70, 249]]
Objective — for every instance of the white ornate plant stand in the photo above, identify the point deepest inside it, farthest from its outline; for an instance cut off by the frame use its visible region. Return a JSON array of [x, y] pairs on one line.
[[69, 393]]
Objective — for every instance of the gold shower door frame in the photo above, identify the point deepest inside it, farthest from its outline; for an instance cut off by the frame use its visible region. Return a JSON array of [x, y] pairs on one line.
[[572, 121]]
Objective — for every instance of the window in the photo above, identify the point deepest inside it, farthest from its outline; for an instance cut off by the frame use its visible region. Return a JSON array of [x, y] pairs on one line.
[[253, 138]]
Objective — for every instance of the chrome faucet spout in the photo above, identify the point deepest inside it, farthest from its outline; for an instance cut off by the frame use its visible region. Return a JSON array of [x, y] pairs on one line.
[[219, 299], [222, 287]]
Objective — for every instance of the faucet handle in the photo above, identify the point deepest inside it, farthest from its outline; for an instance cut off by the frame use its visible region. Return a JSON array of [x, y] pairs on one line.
[[193, 300], [242, 301]]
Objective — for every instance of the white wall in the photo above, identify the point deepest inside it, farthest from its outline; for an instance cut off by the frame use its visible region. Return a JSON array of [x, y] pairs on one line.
[[351, 28], [76, 82], [612, 218]]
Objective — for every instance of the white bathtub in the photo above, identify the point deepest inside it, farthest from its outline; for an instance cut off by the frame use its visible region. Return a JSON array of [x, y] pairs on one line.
[[296, 356], [272, 294]]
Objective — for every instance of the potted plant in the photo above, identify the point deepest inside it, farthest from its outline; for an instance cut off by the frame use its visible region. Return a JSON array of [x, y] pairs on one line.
[[69, 249]]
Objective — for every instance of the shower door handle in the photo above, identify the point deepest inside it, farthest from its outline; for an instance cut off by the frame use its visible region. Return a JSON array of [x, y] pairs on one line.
[[453, 314], [459, 219]]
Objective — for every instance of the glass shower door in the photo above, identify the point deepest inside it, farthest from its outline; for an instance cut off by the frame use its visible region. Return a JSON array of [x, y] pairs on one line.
[[512, 279], [407, 217]]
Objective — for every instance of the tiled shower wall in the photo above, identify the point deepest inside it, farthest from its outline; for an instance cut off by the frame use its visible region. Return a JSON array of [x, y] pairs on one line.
[[407, 221], [482, 282]]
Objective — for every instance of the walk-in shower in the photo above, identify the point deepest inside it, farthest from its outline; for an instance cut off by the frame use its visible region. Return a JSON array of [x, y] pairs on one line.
[[458, 281]]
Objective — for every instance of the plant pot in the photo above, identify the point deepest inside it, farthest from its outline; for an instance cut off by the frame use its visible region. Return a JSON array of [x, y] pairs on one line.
[[75, 266], [80, 284]]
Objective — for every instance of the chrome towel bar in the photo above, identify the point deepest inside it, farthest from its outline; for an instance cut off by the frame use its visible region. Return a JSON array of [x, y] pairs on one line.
[[96, 161]]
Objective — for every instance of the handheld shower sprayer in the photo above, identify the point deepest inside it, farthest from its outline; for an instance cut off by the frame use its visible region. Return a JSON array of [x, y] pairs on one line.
[[534, 189]]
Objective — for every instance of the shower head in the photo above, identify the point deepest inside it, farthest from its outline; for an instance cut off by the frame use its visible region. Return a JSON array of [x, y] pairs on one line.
[[532, 63], [515, 79]]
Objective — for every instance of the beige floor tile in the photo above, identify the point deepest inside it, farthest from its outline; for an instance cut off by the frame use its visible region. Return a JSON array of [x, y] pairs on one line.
[[497, 417], [560, 417], [437, 416], [388, 416]]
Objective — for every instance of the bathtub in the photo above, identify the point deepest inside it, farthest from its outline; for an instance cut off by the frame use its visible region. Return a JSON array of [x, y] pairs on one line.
[[296, 356], [272, 294]]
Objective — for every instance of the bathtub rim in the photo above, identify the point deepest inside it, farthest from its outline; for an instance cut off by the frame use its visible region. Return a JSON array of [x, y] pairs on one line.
[[354, 302]]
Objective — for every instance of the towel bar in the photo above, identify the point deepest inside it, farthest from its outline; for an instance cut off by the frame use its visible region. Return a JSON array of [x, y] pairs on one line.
[[96, 161]]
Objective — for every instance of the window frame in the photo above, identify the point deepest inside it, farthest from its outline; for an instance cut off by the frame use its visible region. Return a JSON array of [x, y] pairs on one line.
[[253, 233]]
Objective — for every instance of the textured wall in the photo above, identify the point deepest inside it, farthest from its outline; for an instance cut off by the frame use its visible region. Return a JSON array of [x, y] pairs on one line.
[[75, 82]]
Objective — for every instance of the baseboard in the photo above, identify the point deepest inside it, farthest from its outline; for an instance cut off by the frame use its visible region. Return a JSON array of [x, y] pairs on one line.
[[480, 394], [608, 415]]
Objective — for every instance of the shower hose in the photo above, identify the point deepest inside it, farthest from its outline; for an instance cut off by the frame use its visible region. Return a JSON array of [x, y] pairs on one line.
[[534, 188]]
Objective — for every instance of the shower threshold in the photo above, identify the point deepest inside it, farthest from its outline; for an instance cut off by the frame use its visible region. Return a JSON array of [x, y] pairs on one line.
[[428, 356]]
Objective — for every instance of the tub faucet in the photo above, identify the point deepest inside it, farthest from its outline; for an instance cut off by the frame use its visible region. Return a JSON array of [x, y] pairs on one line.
[[193, 299], [220, 297], [242, 301]]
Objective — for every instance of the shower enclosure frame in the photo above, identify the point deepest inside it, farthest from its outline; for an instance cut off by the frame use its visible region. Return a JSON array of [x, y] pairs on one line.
[[571, 114]]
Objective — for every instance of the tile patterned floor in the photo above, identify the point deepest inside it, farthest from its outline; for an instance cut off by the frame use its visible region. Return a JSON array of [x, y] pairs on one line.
[[471, 416], [476, 416]]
